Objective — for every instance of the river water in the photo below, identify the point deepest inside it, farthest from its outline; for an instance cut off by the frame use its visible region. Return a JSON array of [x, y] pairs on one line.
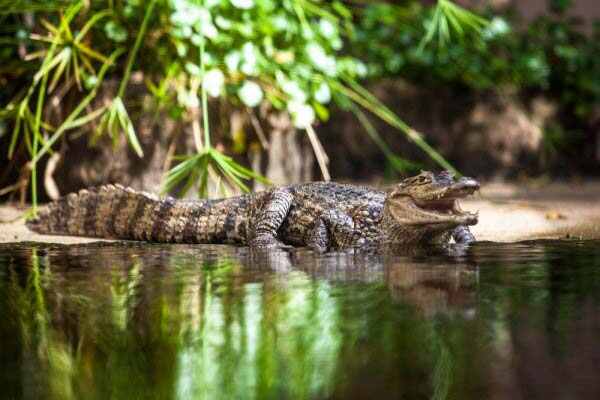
[[144, 321]]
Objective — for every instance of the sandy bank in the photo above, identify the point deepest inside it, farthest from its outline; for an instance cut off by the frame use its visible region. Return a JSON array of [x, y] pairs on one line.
[[507, 212]]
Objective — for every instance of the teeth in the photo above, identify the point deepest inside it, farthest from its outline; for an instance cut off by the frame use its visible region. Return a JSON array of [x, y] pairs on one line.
[[457, 207]]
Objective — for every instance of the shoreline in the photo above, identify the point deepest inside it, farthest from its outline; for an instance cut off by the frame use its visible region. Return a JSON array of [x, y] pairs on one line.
[[507, 213]]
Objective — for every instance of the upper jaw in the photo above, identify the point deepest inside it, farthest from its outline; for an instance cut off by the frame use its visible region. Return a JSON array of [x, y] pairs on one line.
[[460, 189], [463, 187]]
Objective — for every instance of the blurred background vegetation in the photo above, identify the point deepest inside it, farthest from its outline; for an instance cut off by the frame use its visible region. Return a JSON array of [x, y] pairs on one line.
[[206, 97]]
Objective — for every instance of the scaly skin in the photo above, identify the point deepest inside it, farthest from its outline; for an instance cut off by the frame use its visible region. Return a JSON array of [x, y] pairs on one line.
[[323, 216]]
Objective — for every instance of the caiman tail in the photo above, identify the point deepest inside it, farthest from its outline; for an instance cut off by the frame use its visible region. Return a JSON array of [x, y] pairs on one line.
[[116, 212]]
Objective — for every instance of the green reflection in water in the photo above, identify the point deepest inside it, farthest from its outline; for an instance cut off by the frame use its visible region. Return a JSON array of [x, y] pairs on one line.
[[279, 340], [122, 325], [209, 323], [206, 336]]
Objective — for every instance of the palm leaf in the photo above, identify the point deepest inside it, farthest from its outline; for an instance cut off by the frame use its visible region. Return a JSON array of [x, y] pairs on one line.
[[91, 22], [127, 126], [80, 107], [76, 123], [65, 55]]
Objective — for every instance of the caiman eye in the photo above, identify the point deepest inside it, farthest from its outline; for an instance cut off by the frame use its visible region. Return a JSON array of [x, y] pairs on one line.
[[422, 180]]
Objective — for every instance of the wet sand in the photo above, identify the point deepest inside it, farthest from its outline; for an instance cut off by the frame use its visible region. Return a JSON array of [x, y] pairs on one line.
[[507, 212]]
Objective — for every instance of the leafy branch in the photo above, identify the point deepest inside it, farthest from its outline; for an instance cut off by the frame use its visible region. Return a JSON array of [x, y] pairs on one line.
[[208, 162], [449, 18]]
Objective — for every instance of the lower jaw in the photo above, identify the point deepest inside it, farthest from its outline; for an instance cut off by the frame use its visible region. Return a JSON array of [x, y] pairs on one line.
[[407, 237]]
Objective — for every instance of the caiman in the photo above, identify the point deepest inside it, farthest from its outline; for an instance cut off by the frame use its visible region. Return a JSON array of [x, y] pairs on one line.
[[323, 216]]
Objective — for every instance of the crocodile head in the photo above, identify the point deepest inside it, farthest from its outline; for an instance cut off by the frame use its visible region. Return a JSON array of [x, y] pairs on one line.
[[425, 207]]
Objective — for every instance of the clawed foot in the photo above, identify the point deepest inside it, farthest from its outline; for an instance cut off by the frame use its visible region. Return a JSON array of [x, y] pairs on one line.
[[268, 242], [319, 249], [469, 218]]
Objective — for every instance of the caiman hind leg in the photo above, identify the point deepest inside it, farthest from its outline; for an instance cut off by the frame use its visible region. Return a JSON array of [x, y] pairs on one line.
[[266, 218], [333, 229], [318, 238]]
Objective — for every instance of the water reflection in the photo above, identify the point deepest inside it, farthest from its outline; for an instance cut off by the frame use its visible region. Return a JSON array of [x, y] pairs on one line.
[[155, 321]]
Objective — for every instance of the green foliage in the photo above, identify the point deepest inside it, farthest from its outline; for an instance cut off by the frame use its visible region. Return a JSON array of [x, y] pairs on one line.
[[449, 18], [495, 58], [551, 55], [574, 63], [283, 51], [22, 6], [209, 163], [290, 54]]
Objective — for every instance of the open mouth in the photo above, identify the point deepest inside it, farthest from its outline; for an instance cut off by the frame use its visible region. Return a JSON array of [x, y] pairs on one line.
[[447, 201]]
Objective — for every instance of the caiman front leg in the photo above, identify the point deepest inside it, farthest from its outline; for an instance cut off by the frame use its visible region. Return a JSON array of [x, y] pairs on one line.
[[267, 217], [333, 229], [318, 238], [462, 235]]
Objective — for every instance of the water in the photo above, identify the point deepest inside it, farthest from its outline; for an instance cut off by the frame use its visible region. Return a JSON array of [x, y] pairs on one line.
[[139, 321]]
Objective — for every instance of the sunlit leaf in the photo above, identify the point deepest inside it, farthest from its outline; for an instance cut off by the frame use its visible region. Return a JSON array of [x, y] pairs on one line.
[[396, 162], [115, 31], [361, 96], [250, 94], [86, 119], [127, 126], [196, 169], [91, 22], [80, 107], [65, 55], [450, 18]]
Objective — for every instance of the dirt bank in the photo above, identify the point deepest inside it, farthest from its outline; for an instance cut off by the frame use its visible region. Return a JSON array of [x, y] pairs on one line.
[[507, 212], [520, 212]]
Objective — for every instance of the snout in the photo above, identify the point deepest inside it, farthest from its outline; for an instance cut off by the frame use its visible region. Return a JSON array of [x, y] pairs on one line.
[[466, 185]]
